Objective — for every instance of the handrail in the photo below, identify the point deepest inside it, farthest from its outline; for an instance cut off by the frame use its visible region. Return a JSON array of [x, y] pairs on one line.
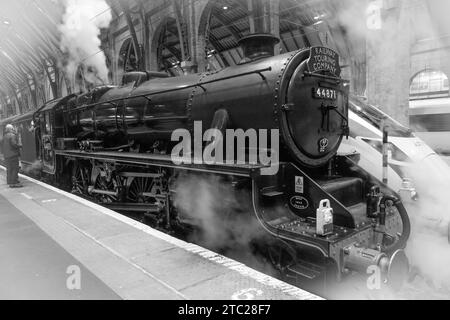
[[317, 75]]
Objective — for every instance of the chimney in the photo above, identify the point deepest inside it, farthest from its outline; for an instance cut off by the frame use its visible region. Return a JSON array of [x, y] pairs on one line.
[[258, 46]]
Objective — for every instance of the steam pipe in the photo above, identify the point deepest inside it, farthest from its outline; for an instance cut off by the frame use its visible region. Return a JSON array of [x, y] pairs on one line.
[[382, 214], [220, 121], [401, 243], [385, 154]]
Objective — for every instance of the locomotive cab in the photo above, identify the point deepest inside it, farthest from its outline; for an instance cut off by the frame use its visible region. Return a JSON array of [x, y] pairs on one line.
[[46, 129]]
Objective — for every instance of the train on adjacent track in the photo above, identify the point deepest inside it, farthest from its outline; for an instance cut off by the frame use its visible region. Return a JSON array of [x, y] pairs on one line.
[[430, 120], [321, 216], [416, 171]]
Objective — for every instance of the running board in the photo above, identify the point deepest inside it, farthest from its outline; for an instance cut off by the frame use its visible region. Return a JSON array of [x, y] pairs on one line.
[[272, 192], [164, 160], [134, 207], [304, 271]]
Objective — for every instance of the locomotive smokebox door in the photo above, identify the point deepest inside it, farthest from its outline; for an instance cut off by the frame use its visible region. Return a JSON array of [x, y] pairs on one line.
[[317, 114], [324, 216]]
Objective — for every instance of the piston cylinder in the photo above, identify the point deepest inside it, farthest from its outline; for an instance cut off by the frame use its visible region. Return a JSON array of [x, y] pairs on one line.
[[394, 269], [360, 259]]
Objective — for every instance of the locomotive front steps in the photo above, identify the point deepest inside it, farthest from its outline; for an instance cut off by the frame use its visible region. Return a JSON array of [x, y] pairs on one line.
[[347, 190], [359, 212], [272, 192], [305, 270]]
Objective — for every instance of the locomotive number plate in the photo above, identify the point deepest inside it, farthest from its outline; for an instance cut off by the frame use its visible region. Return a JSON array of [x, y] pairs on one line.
[[325, 93]]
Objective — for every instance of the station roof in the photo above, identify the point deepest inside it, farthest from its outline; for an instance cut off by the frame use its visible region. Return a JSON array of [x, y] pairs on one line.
[[302, 23], [28, 39], [4, 122], [26, 116]]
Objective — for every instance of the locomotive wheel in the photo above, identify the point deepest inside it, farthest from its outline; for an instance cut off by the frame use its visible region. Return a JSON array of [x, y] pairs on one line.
[[281, 257], [140, 187], [80, 179], [113, 185]]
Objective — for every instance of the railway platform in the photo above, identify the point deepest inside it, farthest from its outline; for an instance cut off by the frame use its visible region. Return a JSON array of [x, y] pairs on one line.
[[55, 245]]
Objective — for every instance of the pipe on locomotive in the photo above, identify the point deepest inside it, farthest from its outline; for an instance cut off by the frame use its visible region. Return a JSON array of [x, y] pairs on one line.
[[396, 202], [385, 154], [403, 238]]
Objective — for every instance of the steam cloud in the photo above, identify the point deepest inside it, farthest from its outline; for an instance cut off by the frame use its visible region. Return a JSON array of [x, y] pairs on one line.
[[428, 248], [225, 217], [34, 169], [349, 16], [80, 30], [209, 202]]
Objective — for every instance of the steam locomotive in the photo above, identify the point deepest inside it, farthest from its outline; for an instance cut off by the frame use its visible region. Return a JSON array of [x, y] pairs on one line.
[[320, 216]]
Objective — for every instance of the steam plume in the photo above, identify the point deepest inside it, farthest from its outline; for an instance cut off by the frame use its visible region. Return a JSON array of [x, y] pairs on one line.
[[80, 30], [34, 169], [216, 208], [428, 248], [224, 216]]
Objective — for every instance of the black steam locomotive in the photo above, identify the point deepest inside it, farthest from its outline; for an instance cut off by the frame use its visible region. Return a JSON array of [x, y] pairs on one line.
[[319, 215]]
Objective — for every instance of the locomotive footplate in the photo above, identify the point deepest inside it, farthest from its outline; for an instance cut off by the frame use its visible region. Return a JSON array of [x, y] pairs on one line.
[[356, 242], [162, 160], [340, 238], [307, 228]]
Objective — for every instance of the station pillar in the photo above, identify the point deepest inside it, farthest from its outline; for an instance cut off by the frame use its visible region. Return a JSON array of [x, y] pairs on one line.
[[389, 57]]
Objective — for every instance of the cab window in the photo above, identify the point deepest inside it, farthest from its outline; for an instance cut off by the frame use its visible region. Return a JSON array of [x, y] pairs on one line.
[[46, 124]]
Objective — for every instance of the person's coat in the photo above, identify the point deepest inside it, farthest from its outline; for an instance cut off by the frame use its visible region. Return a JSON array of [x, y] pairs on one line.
[[11, 147]]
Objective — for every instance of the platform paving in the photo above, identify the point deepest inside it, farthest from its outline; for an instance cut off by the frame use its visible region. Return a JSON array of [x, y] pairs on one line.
[[119, 257], [34, 266]]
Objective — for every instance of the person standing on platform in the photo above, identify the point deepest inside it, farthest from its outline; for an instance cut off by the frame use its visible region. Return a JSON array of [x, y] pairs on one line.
[[11, 152]]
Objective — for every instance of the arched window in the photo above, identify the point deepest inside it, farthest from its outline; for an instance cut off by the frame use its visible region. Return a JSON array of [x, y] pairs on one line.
[[223, 24], [127, 57], [429, 84], [169, 55], [301, 24]]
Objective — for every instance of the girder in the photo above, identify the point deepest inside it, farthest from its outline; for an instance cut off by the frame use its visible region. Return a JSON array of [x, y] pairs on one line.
[[28, 37]]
